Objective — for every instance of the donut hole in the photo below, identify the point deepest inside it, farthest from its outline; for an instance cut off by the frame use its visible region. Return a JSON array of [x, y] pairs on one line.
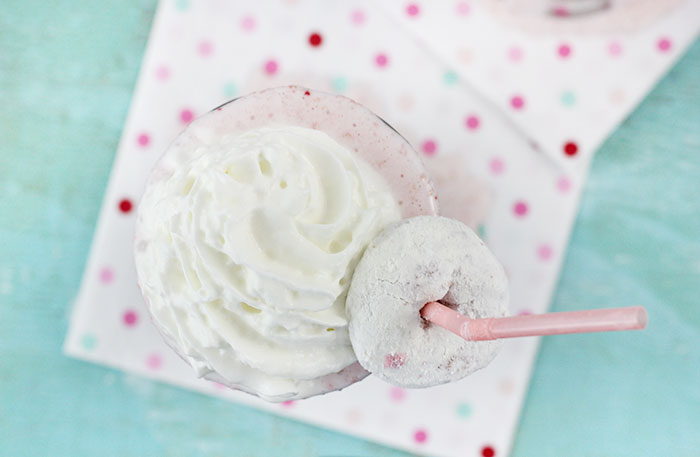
[[447, 300]]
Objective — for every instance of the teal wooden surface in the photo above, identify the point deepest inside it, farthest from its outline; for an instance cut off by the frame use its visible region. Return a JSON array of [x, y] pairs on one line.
[[66, 77]]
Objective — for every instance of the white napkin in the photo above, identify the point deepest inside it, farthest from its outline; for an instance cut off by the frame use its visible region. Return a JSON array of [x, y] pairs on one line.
[[394, 58]]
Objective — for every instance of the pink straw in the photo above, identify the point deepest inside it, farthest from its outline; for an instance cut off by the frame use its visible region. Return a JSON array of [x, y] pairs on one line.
[[492, 328]]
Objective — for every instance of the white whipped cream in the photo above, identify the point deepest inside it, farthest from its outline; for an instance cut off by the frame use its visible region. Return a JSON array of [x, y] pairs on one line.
[[247, 251]]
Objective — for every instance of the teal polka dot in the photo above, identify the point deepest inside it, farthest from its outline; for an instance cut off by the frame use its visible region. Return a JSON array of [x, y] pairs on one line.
[[568, 98], [464, 410], [340, 84], [229, 90], [481, 230], [182, 5], [450, 77], [88, 342]]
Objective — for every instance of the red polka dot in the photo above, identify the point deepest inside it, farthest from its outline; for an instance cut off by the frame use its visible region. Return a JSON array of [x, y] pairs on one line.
[[497, 166], [248, 23], [429, 147], [358, 17], [488, 451], [205, 48], [564, 51], [315, 39], [412, 9], [615, 49], [544, 252], [143, 140], [420, 436], [463, 8], [664, 44], [125, 205], [106, 275], [515, 54], [563, 184], [397, 393], [154, 361], [186, 116], [520, 209], [271, 67], [162, 73], [381, 60], [472, 122], [130, 318], [570, 148], [517, 102]]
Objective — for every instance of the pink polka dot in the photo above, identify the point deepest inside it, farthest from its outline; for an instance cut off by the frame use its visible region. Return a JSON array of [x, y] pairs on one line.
[[517, 102], [563, 184], [463, 8], [248, 23], [544, 252], [143, 140], [186, 115], [614, 48], [412, 9], [520, 208], [472, 122], [497, 166], [429, 147], [381, 60], [560, 11], [130, 318], [524, 312], [515, 54], [358, 17], [271, 67], [154, 361], [218, 385], [564, 51], [287, 404], [397, 393], [664, 44], [205, 48], [162, 73], [420, 436], [106, 275]]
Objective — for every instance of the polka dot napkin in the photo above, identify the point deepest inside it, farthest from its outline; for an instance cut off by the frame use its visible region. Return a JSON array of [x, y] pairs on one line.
[[506, 121]]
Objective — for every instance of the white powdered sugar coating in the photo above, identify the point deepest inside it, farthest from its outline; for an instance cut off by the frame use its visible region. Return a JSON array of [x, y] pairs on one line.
[[415, 261]]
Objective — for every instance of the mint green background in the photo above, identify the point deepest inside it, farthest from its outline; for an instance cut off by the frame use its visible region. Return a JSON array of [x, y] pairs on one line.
[[67, 70]]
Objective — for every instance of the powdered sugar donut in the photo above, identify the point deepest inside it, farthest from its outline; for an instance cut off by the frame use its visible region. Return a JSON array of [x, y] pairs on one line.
[[412, 262]]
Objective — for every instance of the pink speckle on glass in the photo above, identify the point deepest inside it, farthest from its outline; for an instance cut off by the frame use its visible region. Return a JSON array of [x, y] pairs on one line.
[[248, 23], [162, 73], [130, 318], [429, 147], [515, 54], [106, 275], [664, 44], [287, 404], [271, 67], [381, 60], [544, 252], [143, 140], [463, 8], [397, 393], [394, 360], [615, 49], [186, 116], [564, 51], [497, 166], [563, 184], [358, 17], [520, 209], [472, 122], [420, 436], [205, 48], [517, 102], [154, 361], [412, 9]]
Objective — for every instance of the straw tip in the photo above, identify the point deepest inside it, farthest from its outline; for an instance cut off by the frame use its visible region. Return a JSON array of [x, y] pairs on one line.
[[642, 317]]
